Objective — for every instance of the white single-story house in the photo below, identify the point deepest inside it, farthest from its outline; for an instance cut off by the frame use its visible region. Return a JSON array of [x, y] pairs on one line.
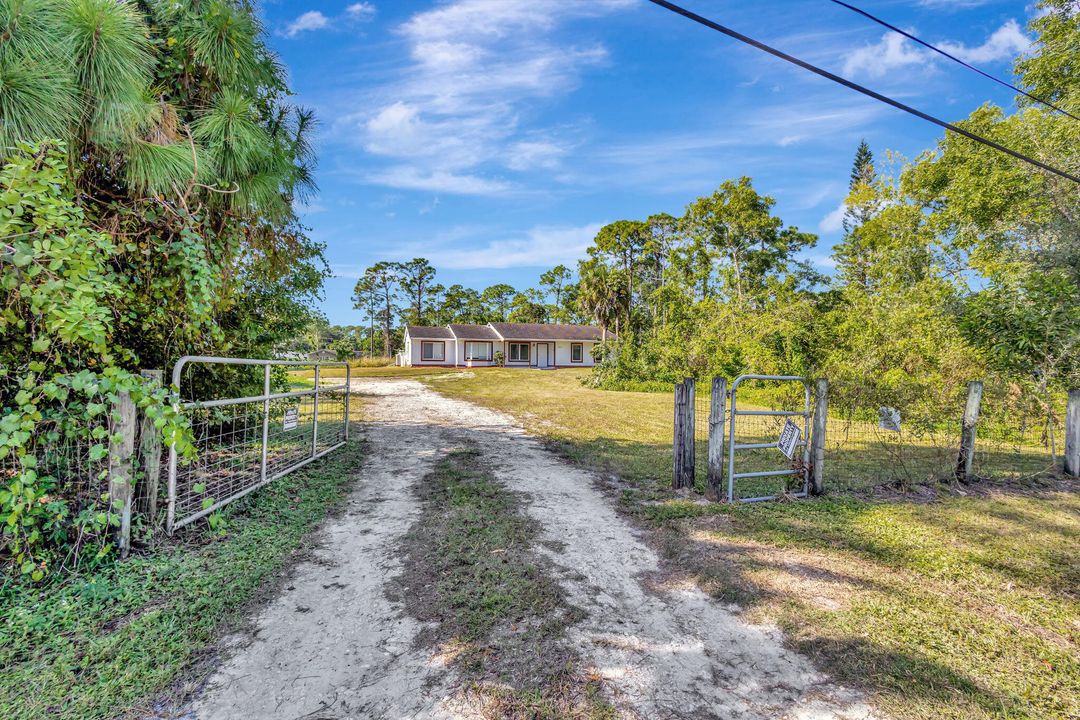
[[537, 345]]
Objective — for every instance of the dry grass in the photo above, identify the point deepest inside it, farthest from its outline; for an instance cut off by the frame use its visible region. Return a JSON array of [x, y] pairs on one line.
[[958, 606]]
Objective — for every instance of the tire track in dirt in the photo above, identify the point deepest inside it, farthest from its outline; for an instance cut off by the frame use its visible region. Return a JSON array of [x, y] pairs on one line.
[[333, 646]]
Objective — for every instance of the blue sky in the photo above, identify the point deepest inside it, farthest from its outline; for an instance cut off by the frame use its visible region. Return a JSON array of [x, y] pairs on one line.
[[495, 137]]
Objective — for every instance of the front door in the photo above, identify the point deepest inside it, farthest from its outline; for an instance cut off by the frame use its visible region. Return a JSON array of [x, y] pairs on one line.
[[541, 355]]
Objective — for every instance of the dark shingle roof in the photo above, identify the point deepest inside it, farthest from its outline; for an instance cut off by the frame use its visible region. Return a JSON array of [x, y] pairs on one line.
[[473, 332], [429, 332], [545, 331]]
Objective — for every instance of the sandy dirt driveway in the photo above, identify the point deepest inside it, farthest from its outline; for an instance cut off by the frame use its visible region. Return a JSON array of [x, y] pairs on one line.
[[333, 646]]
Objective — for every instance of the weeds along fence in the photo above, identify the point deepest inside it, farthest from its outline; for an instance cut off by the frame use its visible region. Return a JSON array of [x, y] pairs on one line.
[[123, 484], [975, 431]]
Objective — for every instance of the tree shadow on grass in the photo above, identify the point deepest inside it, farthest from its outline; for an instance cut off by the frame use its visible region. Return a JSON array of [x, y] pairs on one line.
[[918, 539]]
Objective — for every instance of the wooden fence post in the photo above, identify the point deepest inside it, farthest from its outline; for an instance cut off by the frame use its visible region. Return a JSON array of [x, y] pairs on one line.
[[121, 448], [967, 431], [150, 449], [817, 440], [717, 406], [689, 469], [1072, 435], [678, 456]]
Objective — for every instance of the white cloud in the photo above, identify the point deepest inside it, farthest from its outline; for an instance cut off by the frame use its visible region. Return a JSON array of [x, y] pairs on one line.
[[894, 52], [529, 154], [361, 11], [311, 20], [891, 53], [1005, 43], [406, 177], [540, 247], [462, 107], [834, 221]]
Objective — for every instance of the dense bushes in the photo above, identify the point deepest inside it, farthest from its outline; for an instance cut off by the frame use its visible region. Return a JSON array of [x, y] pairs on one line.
[[150, 167]]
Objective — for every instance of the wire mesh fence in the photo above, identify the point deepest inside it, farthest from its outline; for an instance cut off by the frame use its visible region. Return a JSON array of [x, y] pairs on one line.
[[861, 453], [72, 453], [240, 444], [1019, 434]]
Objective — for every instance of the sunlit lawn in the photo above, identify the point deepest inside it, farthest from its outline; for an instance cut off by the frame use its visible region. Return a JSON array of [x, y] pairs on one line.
[[960, 607]]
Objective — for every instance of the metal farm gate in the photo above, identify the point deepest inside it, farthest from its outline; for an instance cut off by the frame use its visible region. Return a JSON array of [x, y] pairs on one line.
[[243, 443], [762, 463]]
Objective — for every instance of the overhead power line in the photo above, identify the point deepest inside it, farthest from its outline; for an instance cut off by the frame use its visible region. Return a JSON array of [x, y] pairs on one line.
[[939, 51], [859, 88]]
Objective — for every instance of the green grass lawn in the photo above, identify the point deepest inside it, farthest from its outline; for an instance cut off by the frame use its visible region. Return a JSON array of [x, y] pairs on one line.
[[966, 606], [104, 643]]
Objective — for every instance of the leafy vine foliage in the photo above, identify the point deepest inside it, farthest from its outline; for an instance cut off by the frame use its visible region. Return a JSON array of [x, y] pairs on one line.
[[151, 161]]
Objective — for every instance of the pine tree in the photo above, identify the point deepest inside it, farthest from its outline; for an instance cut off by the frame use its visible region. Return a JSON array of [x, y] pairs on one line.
[[853, 253], [862, 175]]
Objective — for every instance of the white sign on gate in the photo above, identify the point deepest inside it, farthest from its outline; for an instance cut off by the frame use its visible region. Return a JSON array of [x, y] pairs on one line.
[[292, 418], [889, 419], [789, 439]]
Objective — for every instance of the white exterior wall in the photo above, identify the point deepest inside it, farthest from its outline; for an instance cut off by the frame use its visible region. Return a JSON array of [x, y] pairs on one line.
[[455, 352], [413, 354], [562, 354], [461, 361]]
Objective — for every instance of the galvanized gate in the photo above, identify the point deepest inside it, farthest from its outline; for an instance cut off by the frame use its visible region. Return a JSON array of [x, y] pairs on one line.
[[244, 443], [801, 469]]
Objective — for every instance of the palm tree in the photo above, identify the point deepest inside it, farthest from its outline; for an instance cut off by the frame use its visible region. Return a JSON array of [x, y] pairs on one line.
[[602, 294], [184, 148]]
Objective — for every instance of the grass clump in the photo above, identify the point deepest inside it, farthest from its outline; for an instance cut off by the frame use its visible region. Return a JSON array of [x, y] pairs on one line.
[[106, 643], [496, 614]]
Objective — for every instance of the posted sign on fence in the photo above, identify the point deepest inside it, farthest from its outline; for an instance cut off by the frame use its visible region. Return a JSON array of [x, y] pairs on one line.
[[292, 418], [789, 439]]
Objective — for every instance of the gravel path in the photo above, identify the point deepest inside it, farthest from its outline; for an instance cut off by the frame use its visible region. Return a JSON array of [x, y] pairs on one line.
[[332, 646]]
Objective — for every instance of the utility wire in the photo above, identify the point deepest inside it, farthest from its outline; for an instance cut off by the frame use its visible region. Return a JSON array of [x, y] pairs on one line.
[[859, 88], [999, 81]]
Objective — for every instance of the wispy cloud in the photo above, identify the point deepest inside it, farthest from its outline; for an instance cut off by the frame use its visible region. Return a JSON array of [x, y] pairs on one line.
[[1005, 43], [361, 11], [894, 52], [315, 20], [834, 221], [407, 177], [477, 69], [954, 4], [539, 247]]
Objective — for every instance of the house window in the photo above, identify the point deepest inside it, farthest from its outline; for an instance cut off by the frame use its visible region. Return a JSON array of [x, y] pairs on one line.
[[577, 352], [432, 351], [519, 352], [477, 351]]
